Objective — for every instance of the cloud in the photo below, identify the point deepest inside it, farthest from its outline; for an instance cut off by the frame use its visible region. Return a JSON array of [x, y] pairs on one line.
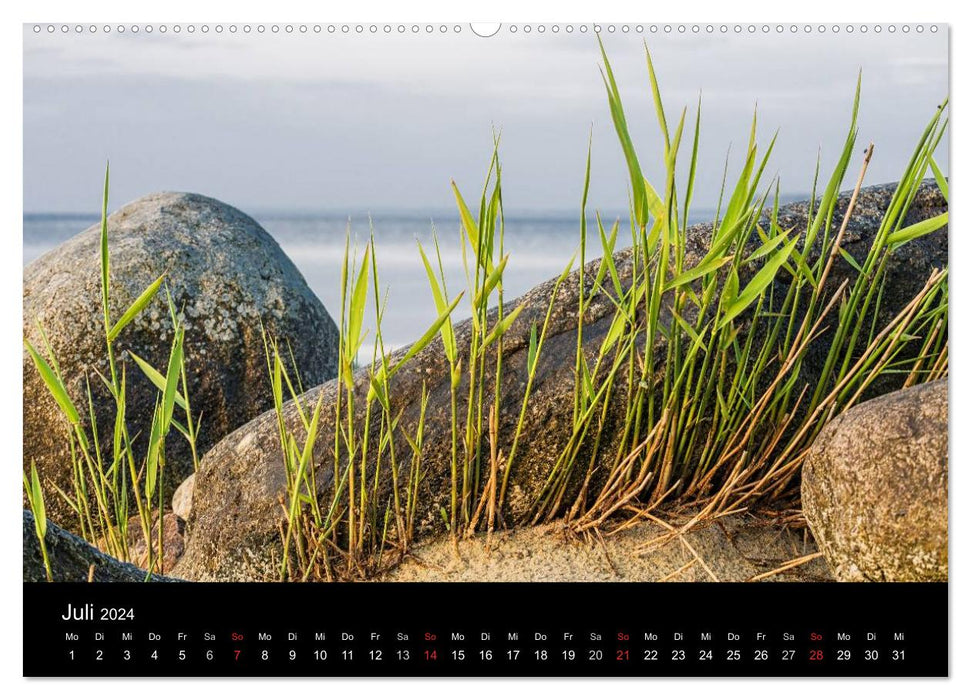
[[383, 121]]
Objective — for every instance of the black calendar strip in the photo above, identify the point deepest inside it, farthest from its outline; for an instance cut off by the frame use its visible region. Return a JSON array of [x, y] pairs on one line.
[[479, 629]]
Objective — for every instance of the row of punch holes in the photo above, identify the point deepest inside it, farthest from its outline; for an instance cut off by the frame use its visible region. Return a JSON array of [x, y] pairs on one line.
[[484, 29]]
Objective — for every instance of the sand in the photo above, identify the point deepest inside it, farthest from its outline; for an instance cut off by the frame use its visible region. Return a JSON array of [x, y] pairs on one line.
[[733, 548]]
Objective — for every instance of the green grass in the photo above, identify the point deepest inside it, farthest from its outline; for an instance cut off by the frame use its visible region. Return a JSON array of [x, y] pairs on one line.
[[35, 499], [725, 420], [108, 488], [352, 526]]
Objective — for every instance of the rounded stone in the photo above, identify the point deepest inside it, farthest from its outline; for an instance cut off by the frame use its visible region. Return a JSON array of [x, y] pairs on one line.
[[182, 498], [172, 541], [874, 488], [226, 275]]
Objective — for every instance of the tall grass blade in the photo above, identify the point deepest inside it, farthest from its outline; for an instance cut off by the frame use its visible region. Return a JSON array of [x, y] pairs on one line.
[[54, 385], [914, 231], [758, 284], [136, 308]]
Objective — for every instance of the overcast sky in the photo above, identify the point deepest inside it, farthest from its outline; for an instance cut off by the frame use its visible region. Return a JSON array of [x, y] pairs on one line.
[[382, 122]]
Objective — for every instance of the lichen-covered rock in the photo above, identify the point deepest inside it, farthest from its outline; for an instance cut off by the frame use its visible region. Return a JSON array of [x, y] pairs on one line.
[[874, 488], [73, 559], [227, 275], [233, 531]]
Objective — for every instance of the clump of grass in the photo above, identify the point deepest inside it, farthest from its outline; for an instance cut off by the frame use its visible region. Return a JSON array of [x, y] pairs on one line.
[[346, 534], [710, 368], [105, 485], [484, 260]]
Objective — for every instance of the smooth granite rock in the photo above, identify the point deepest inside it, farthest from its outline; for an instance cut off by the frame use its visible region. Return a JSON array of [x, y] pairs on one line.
[[874, 488]]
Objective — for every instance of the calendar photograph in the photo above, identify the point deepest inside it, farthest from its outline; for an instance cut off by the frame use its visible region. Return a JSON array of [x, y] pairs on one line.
[[483, 312]]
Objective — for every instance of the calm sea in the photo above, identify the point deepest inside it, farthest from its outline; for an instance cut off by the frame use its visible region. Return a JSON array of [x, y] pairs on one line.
[[539, 246]]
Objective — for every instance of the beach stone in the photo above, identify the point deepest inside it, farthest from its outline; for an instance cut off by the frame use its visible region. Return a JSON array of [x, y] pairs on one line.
[[233, 530], [225, 273], [173, 543], [73, 559], [874, 488], [182, 498]]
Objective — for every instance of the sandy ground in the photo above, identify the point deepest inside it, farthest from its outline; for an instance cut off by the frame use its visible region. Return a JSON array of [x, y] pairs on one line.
[[733, 548]]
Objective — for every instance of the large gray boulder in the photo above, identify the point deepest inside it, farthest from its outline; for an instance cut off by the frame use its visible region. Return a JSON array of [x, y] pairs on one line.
[[228, 275], [874, 488], [73, 559], [233, 530]]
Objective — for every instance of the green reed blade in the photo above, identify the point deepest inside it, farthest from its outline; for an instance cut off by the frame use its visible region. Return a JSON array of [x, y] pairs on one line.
[[630, 154], [155, 377], [136, 308], [705, 267], [105, 260], [357, 308], [939, 177], [37, 502], [429, 334], [914, 231], [658, 103], [438, 294], [531, 353], [54, 385], [490, 283], [468, 221], [170, 391], [769, 245], [759, 282], [501, 327]]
